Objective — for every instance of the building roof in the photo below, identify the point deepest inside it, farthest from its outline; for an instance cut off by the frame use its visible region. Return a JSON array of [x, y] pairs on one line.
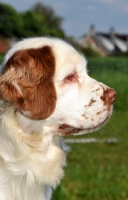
[[111, 43]]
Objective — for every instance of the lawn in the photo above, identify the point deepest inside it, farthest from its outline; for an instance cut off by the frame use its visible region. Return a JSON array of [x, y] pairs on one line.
[[99, 171]]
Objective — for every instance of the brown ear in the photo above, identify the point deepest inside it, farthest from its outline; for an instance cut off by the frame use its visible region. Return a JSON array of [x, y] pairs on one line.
[[27, 82]]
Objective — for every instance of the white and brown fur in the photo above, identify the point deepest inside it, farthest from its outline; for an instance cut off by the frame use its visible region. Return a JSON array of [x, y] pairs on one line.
[[45, 94]]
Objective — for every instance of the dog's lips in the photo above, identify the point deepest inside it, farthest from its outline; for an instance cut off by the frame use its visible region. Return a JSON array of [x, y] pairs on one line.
[[67, 130]]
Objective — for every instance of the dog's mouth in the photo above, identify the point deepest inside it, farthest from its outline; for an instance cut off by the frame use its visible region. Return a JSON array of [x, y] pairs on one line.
[[67, 130]]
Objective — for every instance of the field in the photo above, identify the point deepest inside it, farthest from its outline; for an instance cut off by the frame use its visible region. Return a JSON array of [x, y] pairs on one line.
[[99, 171]]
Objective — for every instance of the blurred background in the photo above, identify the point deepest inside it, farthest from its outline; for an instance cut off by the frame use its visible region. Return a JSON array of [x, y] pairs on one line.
[[97, 166]]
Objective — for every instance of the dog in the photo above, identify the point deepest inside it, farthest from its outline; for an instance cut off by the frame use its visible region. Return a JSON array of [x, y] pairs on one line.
[[45, 94]]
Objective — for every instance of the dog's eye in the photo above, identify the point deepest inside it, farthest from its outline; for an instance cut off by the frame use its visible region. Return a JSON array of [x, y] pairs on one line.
[[71, 78]]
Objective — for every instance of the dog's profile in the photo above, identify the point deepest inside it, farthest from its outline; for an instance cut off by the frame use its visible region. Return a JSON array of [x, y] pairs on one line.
[[45, 93]]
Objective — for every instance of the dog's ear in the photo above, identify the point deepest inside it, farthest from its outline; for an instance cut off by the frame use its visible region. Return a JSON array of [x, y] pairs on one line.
[[27, 82]]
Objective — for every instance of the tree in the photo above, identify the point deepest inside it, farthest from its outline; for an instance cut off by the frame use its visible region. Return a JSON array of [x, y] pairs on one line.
[[40, 20], [10, 21], [32, 24], [51, 20]]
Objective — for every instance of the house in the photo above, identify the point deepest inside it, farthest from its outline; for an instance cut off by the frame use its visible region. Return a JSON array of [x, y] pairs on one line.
[[105, 43], [6, 44]]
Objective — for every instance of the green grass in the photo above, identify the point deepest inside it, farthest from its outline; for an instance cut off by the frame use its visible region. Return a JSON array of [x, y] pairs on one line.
[[99, 171]]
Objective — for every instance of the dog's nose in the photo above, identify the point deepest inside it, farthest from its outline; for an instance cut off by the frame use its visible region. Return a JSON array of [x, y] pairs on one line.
[[109, 96]]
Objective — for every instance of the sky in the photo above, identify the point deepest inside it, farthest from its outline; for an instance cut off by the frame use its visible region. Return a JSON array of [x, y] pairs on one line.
[[78, 15]]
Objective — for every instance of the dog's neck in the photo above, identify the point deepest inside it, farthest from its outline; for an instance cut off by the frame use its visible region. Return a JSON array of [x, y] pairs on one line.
[[30, 151], [29, 126]]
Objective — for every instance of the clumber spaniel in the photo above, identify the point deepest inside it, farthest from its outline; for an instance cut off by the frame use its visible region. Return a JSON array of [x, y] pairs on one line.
[[45, 93]]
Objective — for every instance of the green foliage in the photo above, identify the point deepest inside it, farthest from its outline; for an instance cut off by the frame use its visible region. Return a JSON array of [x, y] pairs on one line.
[[50, 20], [32, 24], [122, 54], [1, 58], [41, 20], [10, 21], [89, 52]]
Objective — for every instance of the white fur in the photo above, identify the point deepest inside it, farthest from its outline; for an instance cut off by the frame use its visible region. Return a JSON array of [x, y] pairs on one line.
[[33, 152]]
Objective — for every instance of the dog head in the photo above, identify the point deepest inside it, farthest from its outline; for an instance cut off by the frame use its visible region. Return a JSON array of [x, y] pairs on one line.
[[46, 79]]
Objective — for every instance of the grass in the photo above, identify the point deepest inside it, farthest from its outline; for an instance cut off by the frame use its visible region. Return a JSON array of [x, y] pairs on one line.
[[100, 171]]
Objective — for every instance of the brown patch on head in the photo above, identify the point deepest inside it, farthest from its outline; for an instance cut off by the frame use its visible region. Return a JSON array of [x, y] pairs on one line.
[[27, 82]]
